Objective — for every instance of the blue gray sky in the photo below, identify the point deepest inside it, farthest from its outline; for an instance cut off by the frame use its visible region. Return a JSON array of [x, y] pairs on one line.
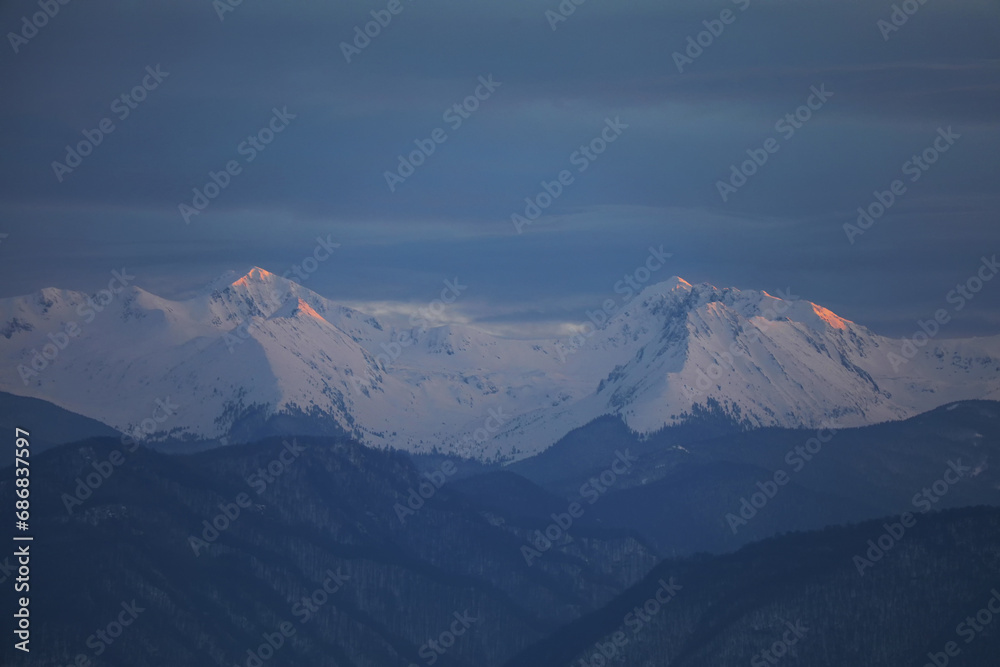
[[656, 184]]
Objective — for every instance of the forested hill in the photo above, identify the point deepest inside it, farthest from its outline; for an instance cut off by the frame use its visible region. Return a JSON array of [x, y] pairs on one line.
[[803, 598]]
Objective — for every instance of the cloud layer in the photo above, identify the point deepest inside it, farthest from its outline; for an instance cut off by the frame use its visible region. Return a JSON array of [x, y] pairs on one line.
[[655, 184]]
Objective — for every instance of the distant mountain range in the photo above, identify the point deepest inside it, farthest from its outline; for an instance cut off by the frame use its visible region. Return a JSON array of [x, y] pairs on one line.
[[260, 355]]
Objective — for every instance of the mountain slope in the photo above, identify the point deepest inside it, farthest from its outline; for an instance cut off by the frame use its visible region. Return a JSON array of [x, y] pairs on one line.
[[221, 548], [687, 489], [261, 354], [801, 599], [50, 425]]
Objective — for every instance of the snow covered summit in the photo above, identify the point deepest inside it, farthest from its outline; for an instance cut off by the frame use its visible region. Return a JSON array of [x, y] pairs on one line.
[[261, 349]]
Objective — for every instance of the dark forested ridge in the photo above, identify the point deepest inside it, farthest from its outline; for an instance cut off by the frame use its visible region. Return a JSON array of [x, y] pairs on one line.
[[58, 426], [320, 514], [320, 551], [801, 599], [686, 492]]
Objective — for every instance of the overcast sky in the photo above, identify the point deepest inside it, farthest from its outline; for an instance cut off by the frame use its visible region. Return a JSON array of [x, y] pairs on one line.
[[655, 184]]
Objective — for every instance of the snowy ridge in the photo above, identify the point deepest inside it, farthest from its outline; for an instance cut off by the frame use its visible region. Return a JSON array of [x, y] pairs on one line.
[[259, 344]]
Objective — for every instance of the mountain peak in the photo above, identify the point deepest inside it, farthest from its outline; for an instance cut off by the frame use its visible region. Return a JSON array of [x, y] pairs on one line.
[[666, 354], [238, 278], [677, 282], [671, 285], [255, 275]]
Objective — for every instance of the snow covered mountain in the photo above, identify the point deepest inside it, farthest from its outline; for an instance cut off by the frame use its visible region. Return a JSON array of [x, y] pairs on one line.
[[261, 352]]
